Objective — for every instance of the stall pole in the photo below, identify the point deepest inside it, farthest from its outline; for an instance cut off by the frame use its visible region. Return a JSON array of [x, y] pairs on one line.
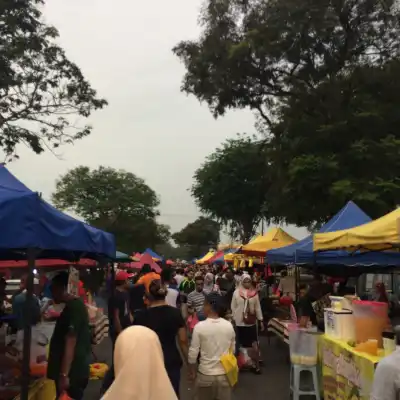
[[25, 378]]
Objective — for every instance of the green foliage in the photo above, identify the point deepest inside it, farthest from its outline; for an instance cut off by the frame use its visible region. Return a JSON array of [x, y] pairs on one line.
[[198, 237], [348, 149], [232, 184], [321, 75], [41, 91], [116, 201]]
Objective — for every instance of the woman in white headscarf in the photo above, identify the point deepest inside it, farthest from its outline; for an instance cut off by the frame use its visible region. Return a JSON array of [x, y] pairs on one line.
[[139, 368], [246, 312]]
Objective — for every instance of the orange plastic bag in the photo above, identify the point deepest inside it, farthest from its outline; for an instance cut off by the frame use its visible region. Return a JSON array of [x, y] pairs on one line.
[[64, 396]]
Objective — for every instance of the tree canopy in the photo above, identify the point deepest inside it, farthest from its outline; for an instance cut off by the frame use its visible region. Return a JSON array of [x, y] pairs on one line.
[[232, 184], [116, 201], [321, 77], [198, 236], [41, 91]]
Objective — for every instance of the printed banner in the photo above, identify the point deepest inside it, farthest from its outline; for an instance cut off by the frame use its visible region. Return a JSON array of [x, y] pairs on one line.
[[346, 374]]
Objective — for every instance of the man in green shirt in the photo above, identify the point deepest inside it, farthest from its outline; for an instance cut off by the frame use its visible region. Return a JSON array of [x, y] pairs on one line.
[[70, 346]]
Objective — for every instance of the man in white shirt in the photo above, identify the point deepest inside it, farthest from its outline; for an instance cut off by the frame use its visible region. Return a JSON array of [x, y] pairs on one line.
[[172, 296], [211, 339], [386, 385], [179, 278]]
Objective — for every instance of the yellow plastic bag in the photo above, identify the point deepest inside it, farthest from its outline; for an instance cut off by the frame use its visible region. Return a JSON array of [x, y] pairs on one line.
[[229, 362]]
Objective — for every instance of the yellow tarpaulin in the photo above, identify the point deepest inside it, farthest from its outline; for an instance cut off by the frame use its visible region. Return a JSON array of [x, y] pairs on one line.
[[380, 234], [273, 239], [205, 258]]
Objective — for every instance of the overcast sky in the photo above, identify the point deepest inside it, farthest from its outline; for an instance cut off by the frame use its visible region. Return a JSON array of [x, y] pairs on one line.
[[149, 128]]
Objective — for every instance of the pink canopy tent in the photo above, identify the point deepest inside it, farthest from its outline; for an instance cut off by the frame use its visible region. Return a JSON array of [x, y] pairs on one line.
[[144, 259]]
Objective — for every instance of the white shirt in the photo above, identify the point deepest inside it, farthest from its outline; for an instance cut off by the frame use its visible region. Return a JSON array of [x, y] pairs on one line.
[[211, 338], [172, 297], [179, 279], [386, 385]]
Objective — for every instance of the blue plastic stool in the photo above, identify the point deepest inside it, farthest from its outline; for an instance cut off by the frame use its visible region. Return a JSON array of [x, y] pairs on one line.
[[295, 380]]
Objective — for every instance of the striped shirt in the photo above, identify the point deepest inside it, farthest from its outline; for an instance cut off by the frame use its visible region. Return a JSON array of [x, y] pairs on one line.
[[195, 300]]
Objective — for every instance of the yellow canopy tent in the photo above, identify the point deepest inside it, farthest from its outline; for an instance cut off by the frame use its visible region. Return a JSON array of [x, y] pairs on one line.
[[205, 258], [273, 239], [380, 234]]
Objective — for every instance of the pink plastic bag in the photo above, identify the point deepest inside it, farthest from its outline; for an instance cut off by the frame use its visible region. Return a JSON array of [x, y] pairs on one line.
[[192, 322], [64, 396]]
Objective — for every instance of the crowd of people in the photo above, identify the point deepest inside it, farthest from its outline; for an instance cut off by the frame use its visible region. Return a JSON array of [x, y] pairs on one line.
[[198, 314]]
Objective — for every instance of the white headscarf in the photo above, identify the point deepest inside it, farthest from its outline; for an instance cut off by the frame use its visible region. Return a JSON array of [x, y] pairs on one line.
[[244, 292], [208, 283], [139, 368]]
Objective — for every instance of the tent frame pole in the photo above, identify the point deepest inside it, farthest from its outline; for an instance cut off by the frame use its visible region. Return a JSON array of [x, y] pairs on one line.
[[26, 353]]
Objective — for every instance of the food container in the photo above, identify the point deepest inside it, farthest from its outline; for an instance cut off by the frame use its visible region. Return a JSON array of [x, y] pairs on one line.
[[389, 342], [339, 324], [303, 345], [370, 319], [336, 302]]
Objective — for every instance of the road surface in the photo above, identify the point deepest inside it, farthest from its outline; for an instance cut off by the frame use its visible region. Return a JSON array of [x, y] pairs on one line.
[[273, 384]]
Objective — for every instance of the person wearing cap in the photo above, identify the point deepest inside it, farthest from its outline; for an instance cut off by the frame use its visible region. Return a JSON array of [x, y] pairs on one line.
[[211, 339], [118, 306]]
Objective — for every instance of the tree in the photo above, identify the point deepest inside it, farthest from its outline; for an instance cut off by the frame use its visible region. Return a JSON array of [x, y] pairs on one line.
[[348, 149], [198, 237], [232, 185], [116, 201], [257, 54], [41, 90], [321, 77]]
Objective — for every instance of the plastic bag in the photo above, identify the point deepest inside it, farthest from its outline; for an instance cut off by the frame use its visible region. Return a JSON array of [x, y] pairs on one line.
[[64, 396], [230, 365], [243, 359], [192, 321]]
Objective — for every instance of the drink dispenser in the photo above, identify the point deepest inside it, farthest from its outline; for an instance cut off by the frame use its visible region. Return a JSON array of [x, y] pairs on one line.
[[370, 319], [303, 345]]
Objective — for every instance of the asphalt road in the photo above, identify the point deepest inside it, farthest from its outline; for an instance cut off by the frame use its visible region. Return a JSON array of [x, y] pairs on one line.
[[273, 384]]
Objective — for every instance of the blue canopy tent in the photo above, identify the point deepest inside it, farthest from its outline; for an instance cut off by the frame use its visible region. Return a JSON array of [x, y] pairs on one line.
[[29, 222], [32, 228], [153, 254], [122, 257], [302, 252], [350, 215]]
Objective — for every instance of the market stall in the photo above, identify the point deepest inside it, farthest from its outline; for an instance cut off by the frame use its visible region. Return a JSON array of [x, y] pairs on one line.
[[346, 373], [378, 235], [273, 239], [35, 229]]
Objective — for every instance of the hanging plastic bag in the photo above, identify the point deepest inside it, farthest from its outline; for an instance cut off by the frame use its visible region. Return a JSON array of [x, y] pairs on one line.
[[64, 396], [192, 321], [231, 368]]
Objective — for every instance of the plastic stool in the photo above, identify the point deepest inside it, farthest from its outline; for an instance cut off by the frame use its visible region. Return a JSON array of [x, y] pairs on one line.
[[295, 372]]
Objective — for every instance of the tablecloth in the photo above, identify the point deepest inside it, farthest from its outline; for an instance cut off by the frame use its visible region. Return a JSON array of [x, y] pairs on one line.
[[99, 328], [346, 373], [279, 328]]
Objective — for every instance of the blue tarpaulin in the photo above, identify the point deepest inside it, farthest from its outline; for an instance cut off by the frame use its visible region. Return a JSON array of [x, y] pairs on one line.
[[302, 251], [221, 259], [27, 221], [120, 256], [153, 254]]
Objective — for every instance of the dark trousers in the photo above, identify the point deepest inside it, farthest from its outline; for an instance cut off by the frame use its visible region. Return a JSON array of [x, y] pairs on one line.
[[76, 389], [174, 375]]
